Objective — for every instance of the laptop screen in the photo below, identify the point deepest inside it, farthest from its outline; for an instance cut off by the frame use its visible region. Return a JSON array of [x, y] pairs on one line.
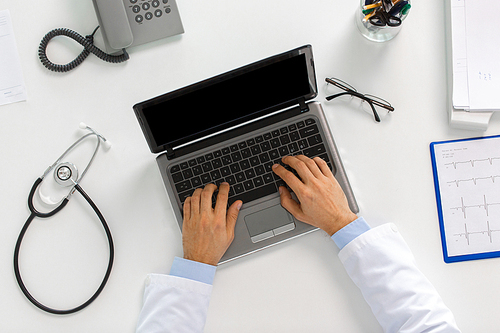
[[227, 100]]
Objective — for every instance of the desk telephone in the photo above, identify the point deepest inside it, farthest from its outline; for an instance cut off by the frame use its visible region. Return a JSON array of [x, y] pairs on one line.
[[123, 24], [126, 23]]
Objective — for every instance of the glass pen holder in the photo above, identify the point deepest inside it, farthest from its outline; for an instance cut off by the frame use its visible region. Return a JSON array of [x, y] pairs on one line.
[[381, 20]]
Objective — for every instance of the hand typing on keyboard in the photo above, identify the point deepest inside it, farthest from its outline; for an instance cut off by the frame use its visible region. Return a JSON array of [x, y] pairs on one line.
[[207, 232], [247, 165], [322, 203]]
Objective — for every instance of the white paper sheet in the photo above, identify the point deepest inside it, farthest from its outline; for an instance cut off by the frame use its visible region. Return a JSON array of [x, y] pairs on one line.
[[12, 88], [459, 55], [483, 54]]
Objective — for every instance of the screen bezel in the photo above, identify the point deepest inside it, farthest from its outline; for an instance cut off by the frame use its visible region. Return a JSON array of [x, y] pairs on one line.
[[170, 146]]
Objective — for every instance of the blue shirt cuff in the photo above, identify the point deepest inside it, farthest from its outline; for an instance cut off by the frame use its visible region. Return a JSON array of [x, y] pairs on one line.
[[348, 233], [193, 270]]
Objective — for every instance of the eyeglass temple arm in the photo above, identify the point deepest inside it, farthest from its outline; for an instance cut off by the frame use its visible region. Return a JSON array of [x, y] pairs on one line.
[[349, 92], [354, 93], [382, 105], [338, 85], [375, 114]]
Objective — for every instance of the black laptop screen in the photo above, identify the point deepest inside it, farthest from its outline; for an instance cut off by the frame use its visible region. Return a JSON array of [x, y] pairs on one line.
[[227, 100]]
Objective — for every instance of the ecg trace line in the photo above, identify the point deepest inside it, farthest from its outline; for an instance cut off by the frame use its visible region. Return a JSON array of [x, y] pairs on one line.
[[467, 233], [485, 205], [458, 181], [473, 162]]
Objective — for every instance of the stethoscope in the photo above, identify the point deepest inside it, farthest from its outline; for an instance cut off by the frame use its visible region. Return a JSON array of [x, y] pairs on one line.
[[66, 175]]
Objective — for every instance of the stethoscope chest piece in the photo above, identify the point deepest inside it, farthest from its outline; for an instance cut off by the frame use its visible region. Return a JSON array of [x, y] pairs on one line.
[[66, 174]]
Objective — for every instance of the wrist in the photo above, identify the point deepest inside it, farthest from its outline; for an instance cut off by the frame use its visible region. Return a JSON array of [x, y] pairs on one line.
[[193, 270], [350, 232], [202, 260], [341, 223]]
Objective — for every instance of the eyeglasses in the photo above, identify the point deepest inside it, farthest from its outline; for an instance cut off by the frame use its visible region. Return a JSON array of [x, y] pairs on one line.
[[370, 99]]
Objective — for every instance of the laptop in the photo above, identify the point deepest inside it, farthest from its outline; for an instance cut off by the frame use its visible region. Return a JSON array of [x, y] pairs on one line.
[[233, 127]]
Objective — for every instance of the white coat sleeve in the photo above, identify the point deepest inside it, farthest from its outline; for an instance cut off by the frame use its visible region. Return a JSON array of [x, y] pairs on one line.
[[173, 304], [402, 299]]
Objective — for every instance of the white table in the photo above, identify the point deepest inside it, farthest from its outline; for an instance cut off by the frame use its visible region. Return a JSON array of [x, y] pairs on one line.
[[299, 286]]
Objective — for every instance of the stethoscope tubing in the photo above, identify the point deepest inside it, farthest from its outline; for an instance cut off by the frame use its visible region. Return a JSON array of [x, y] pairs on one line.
[[35, 213]]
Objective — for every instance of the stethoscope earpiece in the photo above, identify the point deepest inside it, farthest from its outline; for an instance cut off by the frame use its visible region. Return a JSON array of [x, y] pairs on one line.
[[105, 142]]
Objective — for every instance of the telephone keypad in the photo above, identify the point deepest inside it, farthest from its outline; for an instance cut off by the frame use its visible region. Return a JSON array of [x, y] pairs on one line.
[[141, 9]]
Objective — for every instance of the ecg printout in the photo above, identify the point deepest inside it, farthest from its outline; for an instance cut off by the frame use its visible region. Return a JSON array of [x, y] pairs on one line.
[[469, 188]]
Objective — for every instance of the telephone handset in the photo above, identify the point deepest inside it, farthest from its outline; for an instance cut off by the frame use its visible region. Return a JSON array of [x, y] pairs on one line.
[[126, 23], [114, 24], [123, 23]]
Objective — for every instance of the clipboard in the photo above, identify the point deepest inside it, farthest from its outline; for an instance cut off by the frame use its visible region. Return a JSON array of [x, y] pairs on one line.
[[467, 187]]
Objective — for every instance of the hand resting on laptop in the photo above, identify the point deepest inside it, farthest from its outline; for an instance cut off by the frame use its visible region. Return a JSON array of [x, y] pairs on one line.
[[207, 232]]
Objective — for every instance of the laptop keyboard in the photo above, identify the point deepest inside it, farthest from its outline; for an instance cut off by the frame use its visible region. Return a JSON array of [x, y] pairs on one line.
[[247, 165]]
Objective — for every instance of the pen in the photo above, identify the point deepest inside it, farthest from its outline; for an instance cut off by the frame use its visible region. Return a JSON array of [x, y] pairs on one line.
[[370, 14], [406, 8], [401, 7], [373, 5]]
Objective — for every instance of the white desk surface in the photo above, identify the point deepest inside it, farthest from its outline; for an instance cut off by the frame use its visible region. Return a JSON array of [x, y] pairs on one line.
[[299, 286]]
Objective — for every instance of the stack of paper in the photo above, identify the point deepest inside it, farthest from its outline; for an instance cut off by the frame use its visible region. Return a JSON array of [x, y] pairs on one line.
[[476, 50]]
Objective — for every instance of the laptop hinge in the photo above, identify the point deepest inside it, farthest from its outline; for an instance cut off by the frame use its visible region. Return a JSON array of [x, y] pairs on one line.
[[170, 151], [303, 105]]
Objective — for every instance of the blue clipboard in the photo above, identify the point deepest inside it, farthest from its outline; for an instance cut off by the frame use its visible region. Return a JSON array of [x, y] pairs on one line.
[[456, 258]]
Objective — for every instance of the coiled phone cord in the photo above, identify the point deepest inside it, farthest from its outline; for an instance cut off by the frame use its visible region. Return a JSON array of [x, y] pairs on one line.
[[87, 42], [35, 213]]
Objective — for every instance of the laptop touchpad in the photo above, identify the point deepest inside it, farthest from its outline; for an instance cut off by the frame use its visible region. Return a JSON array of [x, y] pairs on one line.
[[268, 223]]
